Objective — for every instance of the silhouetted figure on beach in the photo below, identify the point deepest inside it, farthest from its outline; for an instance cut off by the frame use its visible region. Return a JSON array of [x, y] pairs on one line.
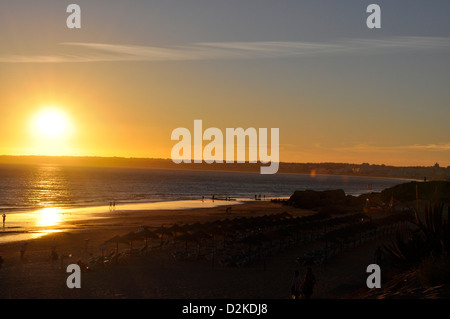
[[308, 284], [53, 253], [23, 248], [296, 285], [4, 218]]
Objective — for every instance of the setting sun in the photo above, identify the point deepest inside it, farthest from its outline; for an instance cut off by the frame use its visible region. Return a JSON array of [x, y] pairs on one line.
[[51, 123], [48, 217]]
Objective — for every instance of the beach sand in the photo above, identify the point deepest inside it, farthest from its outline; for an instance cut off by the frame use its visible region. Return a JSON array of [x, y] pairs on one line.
[[159, 275]]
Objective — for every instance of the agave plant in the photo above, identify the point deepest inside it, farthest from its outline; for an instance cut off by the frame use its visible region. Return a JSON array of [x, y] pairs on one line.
[[431, 237], [435, 229]]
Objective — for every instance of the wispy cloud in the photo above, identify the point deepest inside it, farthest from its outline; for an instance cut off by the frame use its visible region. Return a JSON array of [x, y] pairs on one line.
[[430, 147], [365, 148], [101, 52]]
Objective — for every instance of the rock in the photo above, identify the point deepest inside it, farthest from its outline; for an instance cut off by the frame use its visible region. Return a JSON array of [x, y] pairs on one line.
[[305, 199], [331, 200], [425, 190]]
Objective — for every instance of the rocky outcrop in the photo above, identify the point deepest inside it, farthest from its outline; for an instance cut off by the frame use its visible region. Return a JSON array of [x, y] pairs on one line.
[[330, 201], [425, 190]]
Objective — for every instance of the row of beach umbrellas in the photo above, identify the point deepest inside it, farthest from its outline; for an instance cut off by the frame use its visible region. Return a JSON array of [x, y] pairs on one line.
[[197, 232]]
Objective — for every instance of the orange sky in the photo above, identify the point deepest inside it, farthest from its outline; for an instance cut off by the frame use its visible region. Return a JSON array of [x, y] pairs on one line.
[[377, 102]]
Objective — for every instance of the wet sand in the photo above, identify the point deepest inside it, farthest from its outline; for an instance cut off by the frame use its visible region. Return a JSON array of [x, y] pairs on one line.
[[23, 225], [158, 274]]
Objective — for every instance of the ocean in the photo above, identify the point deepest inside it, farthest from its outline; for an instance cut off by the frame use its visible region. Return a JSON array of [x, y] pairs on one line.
[[41, 199], [32, 187]]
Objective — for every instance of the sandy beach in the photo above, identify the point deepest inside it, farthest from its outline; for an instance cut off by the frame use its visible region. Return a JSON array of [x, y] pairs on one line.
[[158, 274]]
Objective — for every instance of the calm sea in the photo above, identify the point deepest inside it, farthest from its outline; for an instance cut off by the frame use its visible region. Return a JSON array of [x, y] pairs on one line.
[[28, 187]]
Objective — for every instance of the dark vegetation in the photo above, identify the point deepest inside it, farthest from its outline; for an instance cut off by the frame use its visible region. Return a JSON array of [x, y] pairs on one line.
[[424, 246]]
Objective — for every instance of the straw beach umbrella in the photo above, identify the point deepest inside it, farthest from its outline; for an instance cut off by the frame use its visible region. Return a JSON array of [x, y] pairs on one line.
[[163, 231], [257, 240], [117, 240], [130, 237], [146, 234], [186, 238], [176, 229], [199, 235]]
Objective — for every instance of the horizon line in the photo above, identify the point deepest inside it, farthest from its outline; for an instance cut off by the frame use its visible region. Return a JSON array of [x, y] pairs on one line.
[[203, 162]]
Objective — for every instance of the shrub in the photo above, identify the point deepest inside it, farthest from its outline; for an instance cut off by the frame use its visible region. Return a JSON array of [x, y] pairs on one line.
[[431, 237], [434, 270]]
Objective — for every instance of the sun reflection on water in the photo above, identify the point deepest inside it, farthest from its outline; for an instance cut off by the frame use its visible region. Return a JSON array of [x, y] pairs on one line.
[[48, 217]]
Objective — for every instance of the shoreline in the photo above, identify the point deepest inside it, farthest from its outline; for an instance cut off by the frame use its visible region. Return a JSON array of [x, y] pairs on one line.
[[37, 223]]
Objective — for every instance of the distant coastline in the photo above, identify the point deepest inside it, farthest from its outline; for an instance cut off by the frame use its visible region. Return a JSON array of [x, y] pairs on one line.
[[434, 172]]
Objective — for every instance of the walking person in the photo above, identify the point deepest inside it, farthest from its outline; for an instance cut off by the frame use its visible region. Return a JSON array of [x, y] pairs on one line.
[[4, 218], [54, 254], [308, 284], [295, 285], [23, 248]]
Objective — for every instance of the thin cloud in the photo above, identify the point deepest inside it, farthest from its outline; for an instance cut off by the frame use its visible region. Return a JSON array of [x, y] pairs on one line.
[[365, 148], [102, 52], [430, 147]]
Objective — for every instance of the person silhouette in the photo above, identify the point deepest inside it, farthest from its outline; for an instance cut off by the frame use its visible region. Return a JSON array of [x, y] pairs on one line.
[[296, 285], [4, 217], [308, 284], [23, 248]]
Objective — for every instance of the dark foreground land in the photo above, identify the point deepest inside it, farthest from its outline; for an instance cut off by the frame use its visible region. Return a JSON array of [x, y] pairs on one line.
[[250, 251]]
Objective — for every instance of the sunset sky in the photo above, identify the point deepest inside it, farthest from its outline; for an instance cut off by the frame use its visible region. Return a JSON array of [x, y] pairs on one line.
[[136, 70]]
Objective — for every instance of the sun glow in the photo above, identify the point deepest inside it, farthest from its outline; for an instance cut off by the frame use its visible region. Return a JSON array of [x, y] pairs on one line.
[[48, 217], [51, 123]]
